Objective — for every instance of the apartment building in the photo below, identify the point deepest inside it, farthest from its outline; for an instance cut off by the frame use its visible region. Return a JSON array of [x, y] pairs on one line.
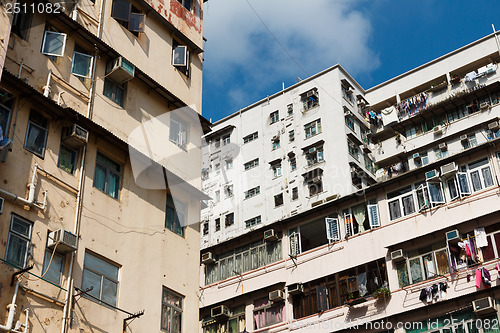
[[94, 238], [416, 251]]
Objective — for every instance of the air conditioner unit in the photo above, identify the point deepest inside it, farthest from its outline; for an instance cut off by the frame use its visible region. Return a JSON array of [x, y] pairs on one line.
[[416, 156], [484, 306], [443, 146], [75, 136], [311, 93], [437, 129], [484, 105], [448, 169], [431, 174], [276, 295], [397, 255], [270, 236], [316, 179], [453, 236], [120, 70], [207, 258], [296, 288], [220, 312], [1, 206], [463, 137], [493, 125], [312, 150], [65, 241]]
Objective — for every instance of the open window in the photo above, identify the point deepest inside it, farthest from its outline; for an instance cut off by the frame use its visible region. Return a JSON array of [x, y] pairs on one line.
[[81, 64], [180, 57], [310, 99], [178, 132], [21, 23], [128, 16], [332, 229], [53, 42]]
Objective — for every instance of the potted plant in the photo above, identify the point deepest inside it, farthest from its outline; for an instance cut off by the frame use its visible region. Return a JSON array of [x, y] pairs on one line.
[[382, 292], [454, 78]]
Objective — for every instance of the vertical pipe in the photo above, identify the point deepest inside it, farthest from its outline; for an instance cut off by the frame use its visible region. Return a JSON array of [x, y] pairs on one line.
[[69, 285], [90, 107], [46, 89]]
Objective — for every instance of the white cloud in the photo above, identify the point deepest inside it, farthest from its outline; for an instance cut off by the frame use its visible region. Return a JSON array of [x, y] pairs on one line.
[[318, 34]]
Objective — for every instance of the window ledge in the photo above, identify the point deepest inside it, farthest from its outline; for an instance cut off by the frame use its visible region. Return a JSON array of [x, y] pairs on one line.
[[314, 165], [312, 136]]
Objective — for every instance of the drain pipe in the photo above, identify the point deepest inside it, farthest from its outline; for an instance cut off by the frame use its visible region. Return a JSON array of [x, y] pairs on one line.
[[90, 107], [69, 285], [31, 194], [46, 88], [8, 327]]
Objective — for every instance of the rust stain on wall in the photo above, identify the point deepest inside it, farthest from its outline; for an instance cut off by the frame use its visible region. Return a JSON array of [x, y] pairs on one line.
[[191, 19]]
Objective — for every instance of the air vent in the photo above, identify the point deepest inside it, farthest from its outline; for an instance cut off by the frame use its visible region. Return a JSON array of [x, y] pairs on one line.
[[484, 306], [276, 295], [207, 258], [312, 150], [65, 241], [220, 312], [296, 288], [270, 236], [493, 125], [416, 156], [397, 255], [75, 136]]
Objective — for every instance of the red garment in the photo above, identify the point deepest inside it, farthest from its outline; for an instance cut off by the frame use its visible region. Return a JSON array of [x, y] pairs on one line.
[[478, 278], [467, 250]]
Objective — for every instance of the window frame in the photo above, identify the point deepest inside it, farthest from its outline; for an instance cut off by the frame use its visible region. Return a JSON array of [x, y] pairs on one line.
[[409, 192], [275, 116], [253, 221], [45, 39], [229, 219], [45, 130], [313, 128], [89, 68], [74, 158], [251, 164], [316, 157], [46, 260], [172, 308], [277, 170], [24, 238], [21, 23], [252, 192], [178, 213], [250, 137], [111, 88], [178, 135], [270, 306], [108, 171], [103, 276], [183, 3]]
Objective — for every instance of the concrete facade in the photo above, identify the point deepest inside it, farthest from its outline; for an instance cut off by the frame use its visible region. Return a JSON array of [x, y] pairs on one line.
[[366, 259], [108, 71]]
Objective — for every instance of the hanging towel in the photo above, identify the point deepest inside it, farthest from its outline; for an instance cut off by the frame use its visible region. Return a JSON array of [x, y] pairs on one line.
[[467, 250], [486, 277], [478, 278], [429, 294], [497, 268], [472, 247], [481, 239]]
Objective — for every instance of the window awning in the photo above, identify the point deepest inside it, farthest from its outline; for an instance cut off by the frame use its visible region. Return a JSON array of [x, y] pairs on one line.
[[275, 161], [224, 129], [316, 144], [317, 172], [346, 83]]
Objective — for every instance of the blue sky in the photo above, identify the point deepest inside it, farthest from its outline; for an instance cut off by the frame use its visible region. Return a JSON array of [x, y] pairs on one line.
[[374, 40]]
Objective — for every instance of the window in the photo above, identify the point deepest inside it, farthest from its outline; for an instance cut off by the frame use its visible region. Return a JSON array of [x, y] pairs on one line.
[[276, 170], [52, 266], [421, 160], [353, 149], [205, 228], [314, 155], [349, 122], [401, 203], [19, 240], [217, 142], [217, 168], [312, 128], [347, 94], [250, 137], [315, 186], [480, 174], [81, 65], [103, 277], [178, 132], [171, 311], [276, 142], [226, 139], [422, 264], [228, 191], [252, 192], [53, 43], [440, 153], [107, 176], [278, 200], [180, 57], [217, 224], [295, 193], [275, 116], [175, 216], [291, 135], [267, 313], [251, 164], [114, 91], [289, 108], [67, 159], [360, 218], [235, 324], [205, 174], [185, 3], [128, 16], [253, 221], [5, 108], [229, 164], [229, 219], [217, 196], [470, 141], [293, 163], [310, 99], [21, 23], [36, 134]]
